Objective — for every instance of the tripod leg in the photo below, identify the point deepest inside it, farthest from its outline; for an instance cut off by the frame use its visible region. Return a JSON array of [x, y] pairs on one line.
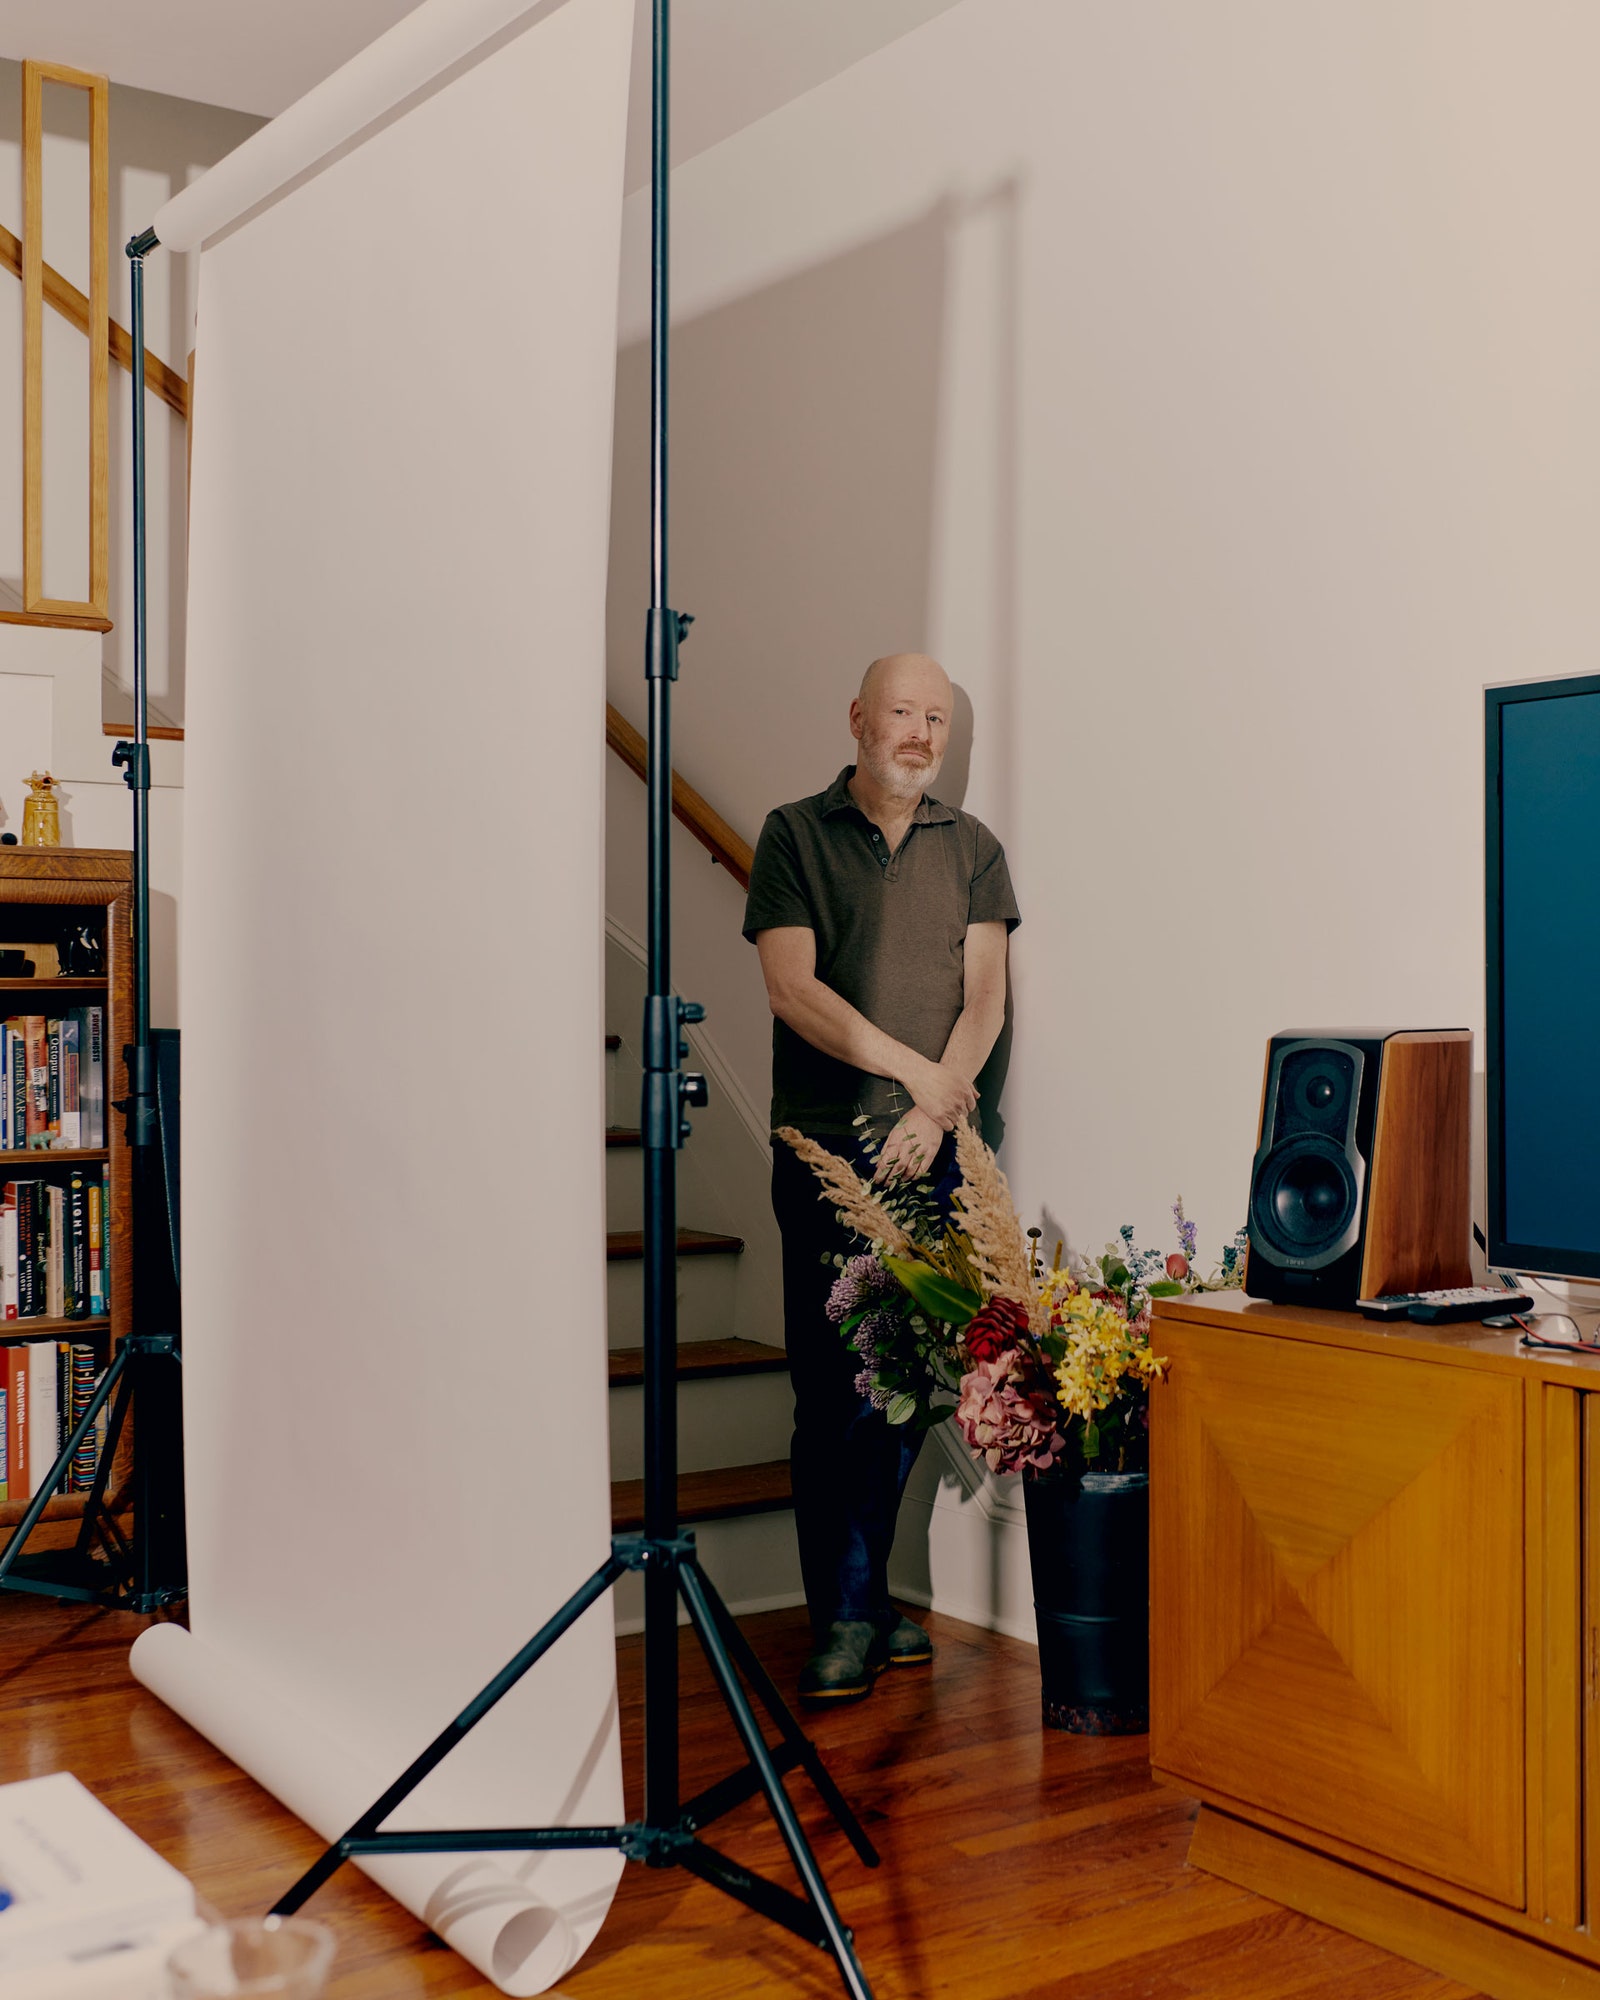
[[839, 1940], [97, 1519], [772, 1701], [112, 1379], [338, 1853]]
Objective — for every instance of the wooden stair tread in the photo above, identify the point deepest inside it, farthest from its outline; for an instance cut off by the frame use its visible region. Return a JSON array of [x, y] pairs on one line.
[[628, 1244], [702, 1360], [623, 1135], [711, 1496]]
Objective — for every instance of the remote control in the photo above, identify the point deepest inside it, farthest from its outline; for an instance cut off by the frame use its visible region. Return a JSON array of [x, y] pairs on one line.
[[1467, 1302], [1393, 1305]]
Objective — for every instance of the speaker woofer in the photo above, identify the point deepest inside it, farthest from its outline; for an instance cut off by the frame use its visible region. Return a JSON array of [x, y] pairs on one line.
[[1306, 1203]]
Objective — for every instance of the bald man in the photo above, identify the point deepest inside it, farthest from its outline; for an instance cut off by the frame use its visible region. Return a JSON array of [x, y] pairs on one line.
[[881, 917]]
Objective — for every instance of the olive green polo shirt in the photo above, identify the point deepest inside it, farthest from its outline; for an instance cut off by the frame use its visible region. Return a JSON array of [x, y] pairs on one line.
[[891, 933]]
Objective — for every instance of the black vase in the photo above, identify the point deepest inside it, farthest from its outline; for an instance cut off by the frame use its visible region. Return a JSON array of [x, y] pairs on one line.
[[1089, 1549]]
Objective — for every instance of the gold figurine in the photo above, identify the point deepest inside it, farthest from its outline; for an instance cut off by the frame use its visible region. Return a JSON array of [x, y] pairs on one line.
[[41, 813]]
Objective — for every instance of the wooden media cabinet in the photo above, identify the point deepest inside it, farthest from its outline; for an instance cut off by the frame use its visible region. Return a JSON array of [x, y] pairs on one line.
[[1375, 1629]]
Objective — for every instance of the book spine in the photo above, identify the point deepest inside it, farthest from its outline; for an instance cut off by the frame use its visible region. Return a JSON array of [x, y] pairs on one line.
[[106, 1236], [5, 1086], [71, 1116], [17, 1422], [42, 1445], [77, 1248], [19, 1085], [37, 1053], [55, 1257], [52, 1044], [5, 1452], [8, 1252], [85, 1380], [92, 1074], [97, 1286], [27, 1262], [38, 1195]]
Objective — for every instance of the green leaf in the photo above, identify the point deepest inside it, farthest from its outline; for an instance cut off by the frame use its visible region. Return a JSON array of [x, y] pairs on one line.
[[902, 1408], [1091, 1440], [935, 1293], [1165, 1288], [1116, 1276]]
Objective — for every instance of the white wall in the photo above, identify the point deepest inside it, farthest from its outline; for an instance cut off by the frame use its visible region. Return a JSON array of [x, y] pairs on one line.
[[1212, 389], [157, 145]]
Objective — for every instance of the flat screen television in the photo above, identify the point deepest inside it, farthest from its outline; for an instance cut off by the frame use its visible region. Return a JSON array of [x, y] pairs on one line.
[[1542, 878]]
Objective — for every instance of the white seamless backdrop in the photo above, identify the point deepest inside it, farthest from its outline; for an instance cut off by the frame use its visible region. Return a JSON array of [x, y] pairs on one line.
[[393, 1202]]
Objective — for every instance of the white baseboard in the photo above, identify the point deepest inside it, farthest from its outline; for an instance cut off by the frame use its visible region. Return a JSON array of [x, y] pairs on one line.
[[630, 1621]]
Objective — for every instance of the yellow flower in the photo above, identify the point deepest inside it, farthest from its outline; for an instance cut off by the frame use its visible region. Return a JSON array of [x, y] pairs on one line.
[[1103, 1351]]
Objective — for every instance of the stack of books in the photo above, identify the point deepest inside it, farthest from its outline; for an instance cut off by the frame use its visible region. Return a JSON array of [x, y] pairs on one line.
[[54, 1241], [53, 1081], [46, 1386]]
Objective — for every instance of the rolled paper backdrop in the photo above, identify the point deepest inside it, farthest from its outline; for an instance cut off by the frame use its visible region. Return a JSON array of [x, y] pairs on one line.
[[393, 1103], [418, 55], [513, 1916]]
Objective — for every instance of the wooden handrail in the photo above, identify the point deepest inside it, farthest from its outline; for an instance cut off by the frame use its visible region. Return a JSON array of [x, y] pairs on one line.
[[67, 300], [708, 827]]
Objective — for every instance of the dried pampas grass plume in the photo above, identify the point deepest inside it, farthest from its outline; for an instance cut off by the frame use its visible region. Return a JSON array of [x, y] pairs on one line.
[[989, 1220], [852, 1196]]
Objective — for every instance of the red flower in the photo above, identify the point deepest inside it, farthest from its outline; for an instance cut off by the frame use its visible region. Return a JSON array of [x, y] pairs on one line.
[[1000, 1324], [1177, 1265]]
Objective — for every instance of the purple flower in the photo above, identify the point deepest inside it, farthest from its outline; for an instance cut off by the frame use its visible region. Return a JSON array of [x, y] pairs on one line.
[[862, 1280], [1188, 1234], [869, 1391], [874, 1333]]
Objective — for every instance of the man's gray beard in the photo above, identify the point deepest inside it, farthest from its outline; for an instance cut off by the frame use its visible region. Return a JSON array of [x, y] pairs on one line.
[[896, 780]]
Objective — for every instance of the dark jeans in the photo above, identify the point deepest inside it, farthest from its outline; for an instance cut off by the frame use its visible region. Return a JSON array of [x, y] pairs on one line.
[[849, 1465]]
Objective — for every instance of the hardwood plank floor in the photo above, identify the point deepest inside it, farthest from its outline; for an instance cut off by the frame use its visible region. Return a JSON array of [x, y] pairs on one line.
[[1019, 1863]]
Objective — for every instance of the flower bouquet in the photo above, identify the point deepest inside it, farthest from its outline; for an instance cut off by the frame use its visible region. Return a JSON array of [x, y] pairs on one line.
[[953, 1314]]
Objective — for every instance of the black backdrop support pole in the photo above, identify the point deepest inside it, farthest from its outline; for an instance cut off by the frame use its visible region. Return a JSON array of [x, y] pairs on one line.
[[159, 1550], [660, 1114], [667, 1835]]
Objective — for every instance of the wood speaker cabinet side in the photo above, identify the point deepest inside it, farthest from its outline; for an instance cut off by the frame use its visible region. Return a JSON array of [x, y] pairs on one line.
[[1419, 1202]]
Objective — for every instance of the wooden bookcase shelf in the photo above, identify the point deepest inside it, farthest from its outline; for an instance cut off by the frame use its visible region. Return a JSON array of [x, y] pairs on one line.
[[13, 1331], [57, 989], [42, 1158], [41, 890]]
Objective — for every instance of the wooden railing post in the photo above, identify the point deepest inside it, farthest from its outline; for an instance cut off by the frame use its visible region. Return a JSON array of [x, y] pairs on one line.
[[34, 77]]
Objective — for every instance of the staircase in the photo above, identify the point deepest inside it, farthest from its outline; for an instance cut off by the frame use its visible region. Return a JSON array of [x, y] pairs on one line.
[[734, 1401]]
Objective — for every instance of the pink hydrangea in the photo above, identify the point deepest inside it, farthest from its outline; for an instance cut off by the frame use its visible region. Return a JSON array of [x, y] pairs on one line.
[[1006, 1424]]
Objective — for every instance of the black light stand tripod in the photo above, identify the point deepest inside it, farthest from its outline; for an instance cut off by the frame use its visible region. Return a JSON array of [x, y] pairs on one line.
[[667, 1835], [146, 1570]]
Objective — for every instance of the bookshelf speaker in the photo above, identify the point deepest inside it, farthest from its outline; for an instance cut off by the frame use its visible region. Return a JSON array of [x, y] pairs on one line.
[[1361, 1183]]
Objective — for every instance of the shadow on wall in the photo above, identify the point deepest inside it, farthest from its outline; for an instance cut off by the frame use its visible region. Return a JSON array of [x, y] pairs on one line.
[[803, 461]]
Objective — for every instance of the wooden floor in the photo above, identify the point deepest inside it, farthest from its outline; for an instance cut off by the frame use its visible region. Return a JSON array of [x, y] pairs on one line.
[[1019, 1863]]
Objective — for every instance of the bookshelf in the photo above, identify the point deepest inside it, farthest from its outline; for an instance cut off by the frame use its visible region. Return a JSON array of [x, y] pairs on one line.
[[42, 890]]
